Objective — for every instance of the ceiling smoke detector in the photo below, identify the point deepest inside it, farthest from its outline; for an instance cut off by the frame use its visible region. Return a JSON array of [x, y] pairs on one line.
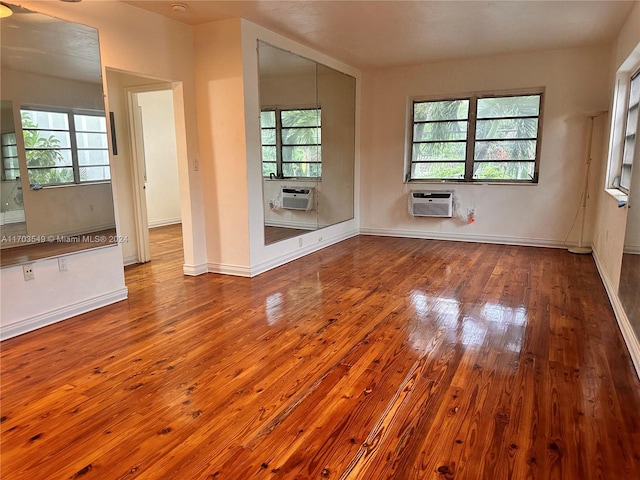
[[179, 7]]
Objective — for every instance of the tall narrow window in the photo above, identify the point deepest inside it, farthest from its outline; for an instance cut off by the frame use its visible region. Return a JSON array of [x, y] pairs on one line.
[[631, 130]]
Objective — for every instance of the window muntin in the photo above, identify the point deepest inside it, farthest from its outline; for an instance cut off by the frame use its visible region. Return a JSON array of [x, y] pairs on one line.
[[478, 138], [631, 128], [291, 142], [10, 163], [63, 147]]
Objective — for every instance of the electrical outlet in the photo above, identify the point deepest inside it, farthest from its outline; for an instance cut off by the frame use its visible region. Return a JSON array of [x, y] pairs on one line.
[[62, 264], [27, 270]]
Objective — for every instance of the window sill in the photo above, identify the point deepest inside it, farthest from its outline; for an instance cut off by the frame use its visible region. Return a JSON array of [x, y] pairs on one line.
[[476, 182], [621, 197], [293, 179]]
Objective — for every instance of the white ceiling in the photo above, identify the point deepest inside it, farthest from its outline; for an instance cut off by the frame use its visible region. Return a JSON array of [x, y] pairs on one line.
[[370, 34]]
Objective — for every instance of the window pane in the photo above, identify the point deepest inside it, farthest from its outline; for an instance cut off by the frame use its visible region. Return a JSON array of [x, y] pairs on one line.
[[442, 110], [440, 131], [629, 148], [625, 176], [504, 170], [92, 140], [10, 151], [9, 139], [426, 171], [94, 174], [90, 123], [268, 154], [522, 106], [301, 154], [302, 170], [300, 118], [632, 121], [93, 157], [268, 119], [634, 93], [424, 152], [48, 158], [46, 176], [507, 128], [46, 139], [11, 162], [505, 150], [268, 168], [300, 136], [44, 120], [11, 173], [268, 136]]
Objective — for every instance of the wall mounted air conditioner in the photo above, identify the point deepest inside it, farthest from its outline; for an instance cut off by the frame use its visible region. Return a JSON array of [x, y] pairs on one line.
[[297, 198], [430, 204]]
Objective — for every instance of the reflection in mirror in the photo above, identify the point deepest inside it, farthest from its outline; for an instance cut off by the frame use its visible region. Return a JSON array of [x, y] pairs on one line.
[[629, 289], [308, 143], [12, 219], [52, 86]]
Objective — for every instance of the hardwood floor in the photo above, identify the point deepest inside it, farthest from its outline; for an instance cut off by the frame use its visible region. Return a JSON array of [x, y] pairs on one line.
[[374, 358]]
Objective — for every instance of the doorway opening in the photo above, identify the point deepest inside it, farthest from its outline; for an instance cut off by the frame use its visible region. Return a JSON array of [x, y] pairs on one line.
[[146, 165]]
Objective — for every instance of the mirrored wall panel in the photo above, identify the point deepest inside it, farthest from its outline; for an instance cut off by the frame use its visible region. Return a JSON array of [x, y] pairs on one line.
[[56, 182], [308, 143], [629, 289]]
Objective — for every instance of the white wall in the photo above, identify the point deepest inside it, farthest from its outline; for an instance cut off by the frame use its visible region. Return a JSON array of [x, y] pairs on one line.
[[542, 214], [131, 40], [610, 223], [221, 124], [161, 158]]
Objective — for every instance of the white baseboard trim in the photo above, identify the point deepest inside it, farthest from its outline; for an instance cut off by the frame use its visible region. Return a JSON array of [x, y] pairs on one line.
[[195, 270], [68, 311], [458, 237], [227, 269], [285, 224], [633, 344], [165, 222], [288, 257], [130, 260], [632, 249]]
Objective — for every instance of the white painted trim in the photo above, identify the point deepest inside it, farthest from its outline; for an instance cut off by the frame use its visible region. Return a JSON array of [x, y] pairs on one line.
[[632, 249], [291, 224], [63, 313], [633, 344], [457, 237], [290, 256], [165, 222], [227, 269], [195, 270], [130, 260]]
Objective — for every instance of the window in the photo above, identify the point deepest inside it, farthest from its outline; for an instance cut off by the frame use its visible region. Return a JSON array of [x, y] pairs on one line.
[[479, 138], [64, 147], [629, 141], [291, 142], [10, 165]]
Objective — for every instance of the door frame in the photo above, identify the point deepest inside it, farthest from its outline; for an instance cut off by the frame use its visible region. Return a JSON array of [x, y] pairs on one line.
[[138, 165]]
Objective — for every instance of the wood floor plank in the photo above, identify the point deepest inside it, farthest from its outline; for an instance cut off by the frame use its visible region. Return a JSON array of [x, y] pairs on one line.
[[375, 358]]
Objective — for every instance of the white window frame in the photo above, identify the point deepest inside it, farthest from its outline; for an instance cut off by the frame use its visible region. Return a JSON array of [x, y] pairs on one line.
[[629, 137], [470, 141], [73, 147]]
